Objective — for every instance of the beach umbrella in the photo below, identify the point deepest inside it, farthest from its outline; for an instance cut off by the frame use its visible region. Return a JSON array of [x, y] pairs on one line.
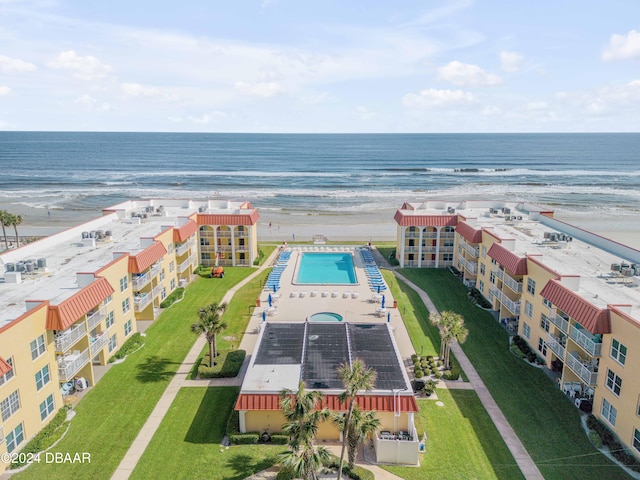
[[275, 288], [388, 317], [382, 303], [270, 299], [378, 288], [264, 316]]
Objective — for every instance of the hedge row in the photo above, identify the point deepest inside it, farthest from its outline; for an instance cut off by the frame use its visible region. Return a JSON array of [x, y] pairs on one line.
[[172, 297], [46, 437], [615, 447], [530, 354], [134, 342], [226, 365]]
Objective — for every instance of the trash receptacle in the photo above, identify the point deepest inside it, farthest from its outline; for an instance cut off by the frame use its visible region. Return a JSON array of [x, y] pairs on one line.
[[257, 302], [395, 304]]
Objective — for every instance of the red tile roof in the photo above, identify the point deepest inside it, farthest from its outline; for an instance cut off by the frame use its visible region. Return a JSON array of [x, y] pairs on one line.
[[141, 261], [227, 219], [407, 220], [509, 260], [594, 319], [62, 316], [183, 232], [379, 403], [4, 367], [471, 234]]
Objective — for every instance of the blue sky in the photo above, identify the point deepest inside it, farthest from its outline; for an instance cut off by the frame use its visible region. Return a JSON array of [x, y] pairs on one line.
[[330, 66]]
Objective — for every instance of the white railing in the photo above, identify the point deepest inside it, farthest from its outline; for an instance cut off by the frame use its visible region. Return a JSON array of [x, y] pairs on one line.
[[495, 292], [412, 235], [224, 234], [554, 344], [156, 291], [429, 248], [225, 248], [430, 235], [512, 283], [514, 307], [584, 372], [70, 364], [182, 249], [470, 266], [98, 343], [183, 266], [499, 273], [96, 317], [141, 302], [140, 281], [155, 269], [411, 263], [447, 234], [558, 321], [69, 337], [206, 233], [208, 248], [585, 341], [410, 248]]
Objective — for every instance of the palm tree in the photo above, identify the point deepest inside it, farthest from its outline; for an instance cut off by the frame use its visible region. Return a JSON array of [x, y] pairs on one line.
[[300, 409], [355, 377], [451, 327], [14, 221], [4, 220], [210, 325], [361, 426]]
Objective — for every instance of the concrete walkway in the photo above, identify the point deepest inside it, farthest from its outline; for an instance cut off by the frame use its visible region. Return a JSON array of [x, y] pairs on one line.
[[150, 427], [520, 454]]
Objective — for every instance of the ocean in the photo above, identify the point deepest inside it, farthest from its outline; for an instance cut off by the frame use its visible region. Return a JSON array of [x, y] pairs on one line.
[[299, 175]]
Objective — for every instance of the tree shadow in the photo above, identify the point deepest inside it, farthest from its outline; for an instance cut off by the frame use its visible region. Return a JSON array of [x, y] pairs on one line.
[[154, 369], [245, 465], [210, 421]]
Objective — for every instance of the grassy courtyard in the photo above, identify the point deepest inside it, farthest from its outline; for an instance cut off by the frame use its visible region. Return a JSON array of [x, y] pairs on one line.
[[543, 418], [112, 413]]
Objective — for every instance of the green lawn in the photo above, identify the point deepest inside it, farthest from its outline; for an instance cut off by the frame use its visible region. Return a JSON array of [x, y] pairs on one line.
[[462, 441], [543, 418], [112, 413], [187, 444]]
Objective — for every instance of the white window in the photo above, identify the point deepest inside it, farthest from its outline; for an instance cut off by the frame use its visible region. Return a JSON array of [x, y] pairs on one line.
[[172, 266], [113, 342], [492, 278], [172, 284], [163, 293], [37, 347], [447, 257], [636, 439], [614, 382], [482, 267], [15, 438], [170, 248], [609, 412], [10, 374], [547, 303], [10, 405], [162, 274], [127, 328], [542, 347], [481, 285], [107, 300], [46, 407], [618, 351], [526, 330], [124, 283], [531, 286], [110, 319], [125, 305], [484, 251], [528, 308], [544, 323], [42, 377]]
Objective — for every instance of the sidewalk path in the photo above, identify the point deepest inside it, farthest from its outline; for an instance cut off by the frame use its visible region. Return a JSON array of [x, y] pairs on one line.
[[522, 457], [145, 435]]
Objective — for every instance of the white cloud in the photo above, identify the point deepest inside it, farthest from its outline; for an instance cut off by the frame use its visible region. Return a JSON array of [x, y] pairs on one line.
[[137, 90], [15, 65], [365, 113], [4, 90], [92, 104], [84, 68], [465, 74], [206, 118], [259, 89], [433, 98], [511, 61], [622, 47]]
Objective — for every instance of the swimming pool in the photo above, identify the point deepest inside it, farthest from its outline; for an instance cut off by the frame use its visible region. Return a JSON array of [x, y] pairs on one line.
[[325, 317], [326, 269]]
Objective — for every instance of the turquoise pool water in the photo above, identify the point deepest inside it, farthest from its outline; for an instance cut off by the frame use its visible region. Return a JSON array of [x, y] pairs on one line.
[[325, 317], [326, 269]]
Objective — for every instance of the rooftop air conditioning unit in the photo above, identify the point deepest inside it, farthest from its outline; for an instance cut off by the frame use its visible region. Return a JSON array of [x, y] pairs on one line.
[[506, 210], [519, 217], [547, 235], [615, 267]]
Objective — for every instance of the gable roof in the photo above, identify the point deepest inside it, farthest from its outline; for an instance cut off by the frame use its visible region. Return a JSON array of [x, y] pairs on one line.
[[4, 367], [184, 231], [379, 403], [471, 234], [62, 316], [509, 260], [139, 262], [227, 218], [409, 220]]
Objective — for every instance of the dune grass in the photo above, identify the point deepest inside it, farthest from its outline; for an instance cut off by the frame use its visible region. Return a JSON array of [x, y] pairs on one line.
[[112, 413], [543, 418]]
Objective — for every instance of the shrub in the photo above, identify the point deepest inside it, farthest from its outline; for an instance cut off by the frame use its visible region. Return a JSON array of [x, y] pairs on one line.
[[46, 437], [134, 342], [437, 374], [357, 473], [233, 423], [430, 358], [414, 357], [226, 365], [418, 373], [279, 439], [173, 296], [424, 363], [244, 438], [595, 439], [451, 375]]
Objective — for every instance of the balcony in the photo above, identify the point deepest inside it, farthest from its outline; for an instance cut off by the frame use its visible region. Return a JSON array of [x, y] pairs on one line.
[[182, 249], [556, 345], [224, 234], [98, 343], [242, 248], [225, 248], [514, 307], [96, 317], [411, 248], [183, 266], [412, 235], [470, 266], [430, 235], [512, 283], [155, 269], [206, 234], [140, 302], [156, 291], [447, 234], [496, 293], [140, 281], [587, 372], [207, 248], [470, 250], [71, 364], [69, 337], [411, 263], [558, 321], [585, 341], [499, 273], [429, 248]]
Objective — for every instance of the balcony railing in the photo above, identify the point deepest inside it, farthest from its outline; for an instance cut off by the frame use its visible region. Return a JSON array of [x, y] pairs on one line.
[[447, 234], [71, 364], [496, 293], [470, 266], [585, 341], [156, 291], [155, 269], [411, 263], [430, 235], [587, 373], [411, 248], [514, 307], [468, 248], [141, 302], [98, 343], [499, 273], [96, 317], [182, 249], [206, 234], [554, 343], [224, 234], [225, 248], [558, 321], [140, 281], [69, 337], [207, 248], [183, 266], [512, 283], [412, 235]]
